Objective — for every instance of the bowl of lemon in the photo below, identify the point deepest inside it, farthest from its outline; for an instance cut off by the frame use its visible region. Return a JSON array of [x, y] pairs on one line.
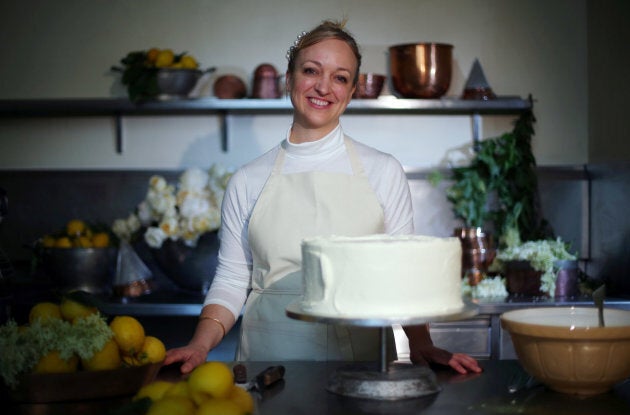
[[82, 256], [69, 351], [159, 74]]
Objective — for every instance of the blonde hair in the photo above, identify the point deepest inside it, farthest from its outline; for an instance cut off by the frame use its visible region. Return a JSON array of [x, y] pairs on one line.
[[328, 29]]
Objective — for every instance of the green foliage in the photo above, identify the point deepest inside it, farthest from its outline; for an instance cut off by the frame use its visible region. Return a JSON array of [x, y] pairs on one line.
[[139, 78], [503, 171]]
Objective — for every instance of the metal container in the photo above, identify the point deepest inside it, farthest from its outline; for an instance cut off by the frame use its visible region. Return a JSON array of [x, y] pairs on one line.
[[369, 86], [477, 253], [176, 83], [421, 70], [266, 82], [86, 269]]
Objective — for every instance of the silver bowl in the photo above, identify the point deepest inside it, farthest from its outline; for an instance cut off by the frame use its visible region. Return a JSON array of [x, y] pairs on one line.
[[176, 83], [86, 269]]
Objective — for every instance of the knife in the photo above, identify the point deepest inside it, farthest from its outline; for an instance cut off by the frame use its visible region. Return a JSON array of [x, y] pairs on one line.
[[264, 379]]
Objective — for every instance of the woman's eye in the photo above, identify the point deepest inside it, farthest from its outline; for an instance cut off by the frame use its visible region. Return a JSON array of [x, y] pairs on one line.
[[309, 71], [342, 79]]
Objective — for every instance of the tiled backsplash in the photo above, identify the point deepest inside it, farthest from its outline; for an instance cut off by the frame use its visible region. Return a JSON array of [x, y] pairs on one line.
[[586, 205]]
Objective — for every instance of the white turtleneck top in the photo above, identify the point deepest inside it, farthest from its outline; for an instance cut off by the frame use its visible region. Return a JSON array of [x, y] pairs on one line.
[[385, 174]]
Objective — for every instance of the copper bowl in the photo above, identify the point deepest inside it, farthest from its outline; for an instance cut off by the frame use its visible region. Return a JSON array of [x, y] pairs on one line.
[[369, 86], [565, 349], [421, 70]]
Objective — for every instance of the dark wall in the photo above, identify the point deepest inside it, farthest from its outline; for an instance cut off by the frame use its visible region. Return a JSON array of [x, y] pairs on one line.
[[586, 205]]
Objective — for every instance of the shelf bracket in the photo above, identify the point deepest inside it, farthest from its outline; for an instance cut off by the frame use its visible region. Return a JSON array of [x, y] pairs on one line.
[[225, 134], [476, 130], [119, 133]]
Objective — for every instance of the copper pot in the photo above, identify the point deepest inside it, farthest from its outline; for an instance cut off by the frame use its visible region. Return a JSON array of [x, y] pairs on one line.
[[266, 82], [421, 70]]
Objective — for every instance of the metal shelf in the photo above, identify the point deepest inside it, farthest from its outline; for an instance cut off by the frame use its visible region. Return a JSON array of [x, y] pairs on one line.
[[120, 107]]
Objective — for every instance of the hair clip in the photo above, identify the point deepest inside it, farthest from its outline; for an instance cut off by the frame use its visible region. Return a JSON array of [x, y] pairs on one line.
[[295, 44]]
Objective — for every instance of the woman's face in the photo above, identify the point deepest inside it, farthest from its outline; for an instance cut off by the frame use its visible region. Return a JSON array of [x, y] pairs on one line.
[[321, 88]]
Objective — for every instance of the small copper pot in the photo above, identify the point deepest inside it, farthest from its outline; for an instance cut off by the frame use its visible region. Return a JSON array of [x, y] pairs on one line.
[[421, 70], [229, 87], [266, 82]]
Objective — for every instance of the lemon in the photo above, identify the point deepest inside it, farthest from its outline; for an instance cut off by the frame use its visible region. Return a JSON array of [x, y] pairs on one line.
[[242, 398], [48, 241], [63, 242], [178, 389], [188, 62], [75, 227], [210, 380], [218, 406], [72, 309], [82, 242], [172, 405], [153, 351], [152, 55], [53, 363], [131, 360], [100, 240], [164, 58], [44, 311], [128, 333], [107, 358], [154, 390]]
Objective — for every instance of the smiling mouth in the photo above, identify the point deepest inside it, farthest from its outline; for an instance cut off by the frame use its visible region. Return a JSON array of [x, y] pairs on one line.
[[319, 102]]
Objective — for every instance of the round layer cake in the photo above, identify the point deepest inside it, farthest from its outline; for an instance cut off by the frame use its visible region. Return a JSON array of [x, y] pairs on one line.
[[381, 276]]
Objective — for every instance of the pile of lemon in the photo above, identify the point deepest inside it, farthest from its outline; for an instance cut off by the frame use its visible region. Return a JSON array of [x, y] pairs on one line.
[[125, 342], [166, 58], [77, 234], [209, 390]]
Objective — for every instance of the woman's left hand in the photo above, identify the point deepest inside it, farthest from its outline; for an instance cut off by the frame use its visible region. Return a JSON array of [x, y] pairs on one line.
[[460, 362]]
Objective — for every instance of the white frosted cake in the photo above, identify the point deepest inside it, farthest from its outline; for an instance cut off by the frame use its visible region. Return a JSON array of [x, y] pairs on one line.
[[381, 276]]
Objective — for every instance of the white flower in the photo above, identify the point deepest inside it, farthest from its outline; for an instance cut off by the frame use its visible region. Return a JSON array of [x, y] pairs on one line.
[[489, 287], [194, 204], [125, 228], [183, 213], [154, 237], [145, 213], [193, 180], [120, 229], [157, 183], [170, 226]]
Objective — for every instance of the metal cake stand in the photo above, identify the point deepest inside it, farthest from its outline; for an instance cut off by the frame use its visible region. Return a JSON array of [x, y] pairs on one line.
[[387, 382]]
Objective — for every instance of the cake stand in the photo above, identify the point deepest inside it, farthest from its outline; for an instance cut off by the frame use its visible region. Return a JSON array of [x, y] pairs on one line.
[[398, 381]]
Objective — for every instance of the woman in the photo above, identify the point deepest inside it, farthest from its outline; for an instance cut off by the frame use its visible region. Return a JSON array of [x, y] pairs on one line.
[[317, 181]]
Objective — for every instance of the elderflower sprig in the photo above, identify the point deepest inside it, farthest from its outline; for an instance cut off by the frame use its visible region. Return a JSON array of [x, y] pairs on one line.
[[489, 287], [22, 347], [542, 255]]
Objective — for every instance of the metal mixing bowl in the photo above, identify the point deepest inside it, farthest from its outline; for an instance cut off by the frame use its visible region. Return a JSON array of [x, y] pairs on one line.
[[421, 70], [565, 349], [87, 269], [177, 83]]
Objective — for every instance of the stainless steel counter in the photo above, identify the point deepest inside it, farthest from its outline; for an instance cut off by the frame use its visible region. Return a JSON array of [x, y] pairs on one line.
[[303, 392]]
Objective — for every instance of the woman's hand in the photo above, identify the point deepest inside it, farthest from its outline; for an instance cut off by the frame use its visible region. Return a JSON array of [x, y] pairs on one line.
[[191, 356], [423, 352], [460, 362]]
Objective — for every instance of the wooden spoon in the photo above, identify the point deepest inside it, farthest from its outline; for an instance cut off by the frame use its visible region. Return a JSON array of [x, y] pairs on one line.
[[598, 297]]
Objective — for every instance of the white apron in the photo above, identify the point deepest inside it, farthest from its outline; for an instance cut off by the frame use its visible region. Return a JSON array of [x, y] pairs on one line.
[[290, 208]]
